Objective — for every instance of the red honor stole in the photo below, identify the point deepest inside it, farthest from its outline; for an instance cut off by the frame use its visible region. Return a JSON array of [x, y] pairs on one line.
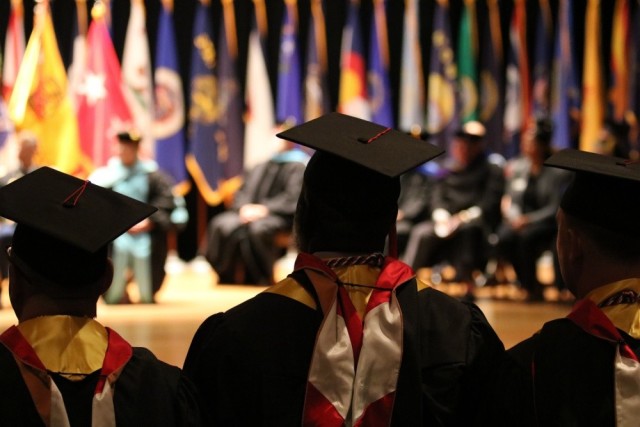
[[43, 390], [355, 363], [592, 320]]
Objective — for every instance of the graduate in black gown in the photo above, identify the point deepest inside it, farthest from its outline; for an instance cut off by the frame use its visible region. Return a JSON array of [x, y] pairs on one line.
[[351, 336], [584, 369], [60, 366]]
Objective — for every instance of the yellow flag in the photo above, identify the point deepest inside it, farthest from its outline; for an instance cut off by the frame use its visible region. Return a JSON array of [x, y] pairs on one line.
[[592, 84], [39, 101]]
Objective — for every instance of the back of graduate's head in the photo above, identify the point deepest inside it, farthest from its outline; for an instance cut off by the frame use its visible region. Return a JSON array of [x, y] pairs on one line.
[[344, 207], [349, 197]]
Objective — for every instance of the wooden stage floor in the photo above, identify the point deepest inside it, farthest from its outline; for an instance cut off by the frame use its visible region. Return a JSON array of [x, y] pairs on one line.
[[190, 294]]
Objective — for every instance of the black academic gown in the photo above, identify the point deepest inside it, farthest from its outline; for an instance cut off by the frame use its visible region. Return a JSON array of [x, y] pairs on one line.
[[561, 376], [250, 364], [148, 392]]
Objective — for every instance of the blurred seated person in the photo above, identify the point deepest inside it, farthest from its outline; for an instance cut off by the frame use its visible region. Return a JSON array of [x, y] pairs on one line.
[[135, 251], [60, 367], [532, 196], [240, 244], [465, 203], [413, 203], [614, 139]]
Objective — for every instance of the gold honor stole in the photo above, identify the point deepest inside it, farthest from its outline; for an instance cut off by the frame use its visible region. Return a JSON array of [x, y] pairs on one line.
[[355, 364], [46, 395], [588, 316]]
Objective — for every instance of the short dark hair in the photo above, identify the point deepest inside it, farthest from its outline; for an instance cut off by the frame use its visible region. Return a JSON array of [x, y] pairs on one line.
[[622, 246]]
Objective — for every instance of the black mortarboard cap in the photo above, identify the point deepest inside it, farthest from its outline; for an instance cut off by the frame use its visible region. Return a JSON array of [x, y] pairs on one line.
[[64, 224], [605, 190], [376, 147]]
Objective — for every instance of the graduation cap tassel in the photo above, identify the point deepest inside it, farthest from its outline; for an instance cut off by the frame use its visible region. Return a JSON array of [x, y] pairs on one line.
[[68, 202], [373, 138]]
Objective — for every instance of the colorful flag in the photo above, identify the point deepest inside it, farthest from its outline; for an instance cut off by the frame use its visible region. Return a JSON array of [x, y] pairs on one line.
[[352, 96], [517, 104], [467, 59], [442, 116], [260, 142], [168, 125], [136, 75], [565, 94], [540, 96], [592, 81], [102, 107], [40, 102], [230, 135], [203, 154], [14, 46], [289, 97], [492, 78], [6, 126], [316, 87], [620, 50], [411, 103], [8, 147], [379, 89]]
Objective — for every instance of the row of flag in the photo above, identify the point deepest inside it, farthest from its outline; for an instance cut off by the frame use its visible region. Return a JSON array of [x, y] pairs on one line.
[[77, 112]]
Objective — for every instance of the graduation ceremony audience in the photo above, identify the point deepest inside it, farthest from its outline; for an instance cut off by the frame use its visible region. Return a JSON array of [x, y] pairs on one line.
[[351, 336], [583, 369], [60, 366]]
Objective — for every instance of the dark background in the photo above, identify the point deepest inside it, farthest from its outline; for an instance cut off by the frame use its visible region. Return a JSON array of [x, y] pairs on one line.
[[64, 17]]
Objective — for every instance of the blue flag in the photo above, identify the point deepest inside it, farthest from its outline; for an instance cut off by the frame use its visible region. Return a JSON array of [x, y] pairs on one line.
[[492, 79], [379, 91], [542, 61], [230, 136], [442, 105], [566, 93], [203, 157], [289, 95], [168, 126]]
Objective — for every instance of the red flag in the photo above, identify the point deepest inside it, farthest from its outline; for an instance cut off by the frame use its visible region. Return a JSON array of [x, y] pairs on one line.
[[14, 45], [102, 107]]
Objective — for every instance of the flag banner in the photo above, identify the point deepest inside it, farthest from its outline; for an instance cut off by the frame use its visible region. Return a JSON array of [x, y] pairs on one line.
[[379, 90], [40, 103], [230, 135], [77, 67], [260, 142], [316, 86], [14, 46], [516, 111], [136, 75], [620, 54], [442, 115], [203, 154], [467, 59], [102, 107], [8, 147], [492, 79], [540, 96], [592, 81], [634, 82], [352, 96], [565, 94], [411, 100], [289, 96], [169, 118]]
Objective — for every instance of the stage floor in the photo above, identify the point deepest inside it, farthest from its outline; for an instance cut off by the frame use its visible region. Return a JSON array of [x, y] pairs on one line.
[[190, 294]]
